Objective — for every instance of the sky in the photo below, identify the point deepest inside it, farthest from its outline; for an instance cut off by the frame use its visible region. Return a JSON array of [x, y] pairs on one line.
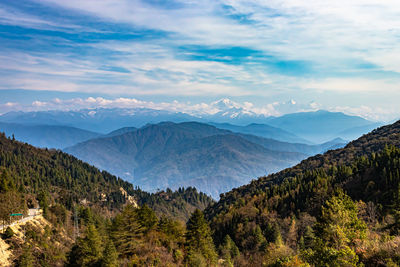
[[271, 57]]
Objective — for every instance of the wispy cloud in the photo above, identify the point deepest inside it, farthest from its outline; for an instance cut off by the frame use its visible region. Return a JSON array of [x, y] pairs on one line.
[[330, 52]]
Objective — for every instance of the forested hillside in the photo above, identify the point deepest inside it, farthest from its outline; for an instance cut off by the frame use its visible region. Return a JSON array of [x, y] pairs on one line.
[[69, 181], [74, 194], [337, 209]]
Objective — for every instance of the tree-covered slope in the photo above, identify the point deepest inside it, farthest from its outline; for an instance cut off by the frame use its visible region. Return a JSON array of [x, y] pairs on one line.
[[365, 145], [92, 218], [68, 181], [337, 209]]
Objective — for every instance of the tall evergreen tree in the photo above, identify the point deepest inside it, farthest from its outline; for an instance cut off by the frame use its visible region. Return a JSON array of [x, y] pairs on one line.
[[88, 250], [337, 231], [199, 242], [110, 255], [127, 231], [229, 251]]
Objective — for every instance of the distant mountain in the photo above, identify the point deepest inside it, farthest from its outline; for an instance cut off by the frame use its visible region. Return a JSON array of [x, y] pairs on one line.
[[355, 132], [49, 136], [333, 144], [99, 120], [306, 149], [262, 130], [121, 131], [185, 154], [319, 126], [231, 112]]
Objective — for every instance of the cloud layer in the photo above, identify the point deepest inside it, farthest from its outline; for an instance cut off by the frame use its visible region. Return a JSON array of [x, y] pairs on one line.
[[339, 54], [202, 109]]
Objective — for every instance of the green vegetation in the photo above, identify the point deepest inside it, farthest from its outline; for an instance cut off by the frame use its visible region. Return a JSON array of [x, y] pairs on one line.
[[78, 198], [199, 244], [337, 209]]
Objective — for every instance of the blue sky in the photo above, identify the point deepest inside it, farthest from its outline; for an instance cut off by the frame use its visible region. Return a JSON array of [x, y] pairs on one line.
[[339, 56]]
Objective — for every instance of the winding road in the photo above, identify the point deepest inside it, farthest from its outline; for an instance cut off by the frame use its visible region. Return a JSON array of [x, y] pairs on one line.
[[32, 213]]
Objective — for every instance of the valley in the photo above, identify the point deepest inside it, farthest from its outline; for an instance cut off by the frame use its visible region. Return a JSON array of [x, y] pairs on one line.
[[213, 157]]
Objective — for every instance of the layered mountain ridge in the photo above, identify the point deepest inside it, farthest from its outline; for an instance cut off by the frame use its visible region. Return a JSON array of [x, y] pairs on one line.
[[196, 154]]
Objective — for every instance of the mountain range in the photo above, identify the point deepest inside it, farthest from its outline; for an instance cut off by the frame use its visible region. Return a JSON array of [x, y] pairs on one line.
[[98, 120], [330, 209], [213, 157], [262, 130], [321, 126], [50, 136], [191, 153], [305, 127]]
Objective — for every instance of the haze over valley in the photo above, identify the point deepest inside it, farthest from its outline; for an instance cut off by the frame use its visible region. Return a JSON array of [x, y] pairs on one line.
[[214, 157]]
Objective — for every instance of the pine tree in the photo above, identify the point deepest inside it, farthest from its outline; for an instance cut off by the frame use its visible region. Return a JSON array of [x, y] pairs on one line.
[[110, 255], [199, 242], [88, 250], [127, 231], [229, 251], [338, 228], [147, 218]]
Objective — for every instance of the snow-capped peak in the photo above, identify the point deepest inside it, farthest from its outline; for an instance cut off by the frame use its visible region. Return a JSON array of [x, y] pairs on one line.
[[225, 103]]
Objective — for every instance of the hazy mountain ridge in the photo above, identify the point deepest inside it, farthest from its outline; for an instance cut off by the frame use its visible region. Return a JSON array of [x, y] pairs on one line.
[[121, 131], [50, 136], [295, 147], [317, 127], [320, 126], [262, 130], [171, 155], [354, 132], [99, 120]]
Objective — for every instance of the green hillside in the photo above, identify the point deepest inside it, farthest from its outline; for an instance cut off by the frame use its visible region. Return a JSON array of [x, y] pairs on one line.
[[68, 181], [341, 208], [71, 193], [337, 209]]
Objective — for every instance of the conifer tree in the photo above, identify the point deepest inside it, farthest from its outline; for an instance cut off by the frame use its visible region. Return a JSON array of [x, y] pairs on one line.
[[127, 231], [199, 242], [88, 250], [337, 230], [229, 251], [110, 255], [146, 217]]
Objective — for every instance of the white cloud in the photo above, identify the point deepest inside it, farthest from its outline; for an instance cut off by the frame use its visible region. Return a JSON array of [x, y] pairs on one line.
[[10, 16], [385, 114], [369, 113], [329, 35], [360, 85], [332, 36]]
